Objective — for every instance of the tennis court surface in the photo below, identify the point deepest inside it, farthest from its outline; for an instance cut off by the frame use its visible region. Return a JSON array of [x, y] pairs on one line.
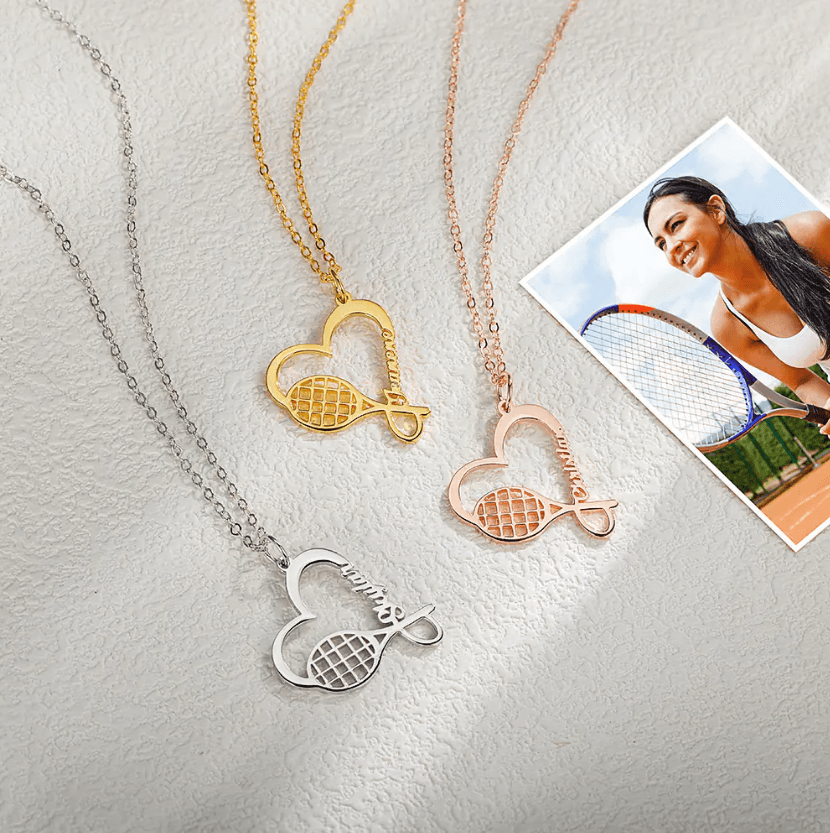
[[803, 507]]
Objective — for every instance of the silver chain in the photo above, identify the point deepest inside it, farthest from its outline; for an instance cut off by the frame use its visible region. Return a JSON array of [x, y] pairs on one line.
[[258, 540]]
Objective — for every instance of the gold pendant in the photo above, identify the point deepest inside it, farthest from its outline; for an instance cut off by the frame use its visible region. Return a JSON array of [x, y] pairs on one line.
[[328, 403], [514, 515]]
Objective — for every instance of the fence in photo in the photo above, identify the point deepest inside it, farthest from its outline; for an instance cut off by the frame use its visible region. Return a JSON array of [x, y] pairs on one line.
[[772, 456]]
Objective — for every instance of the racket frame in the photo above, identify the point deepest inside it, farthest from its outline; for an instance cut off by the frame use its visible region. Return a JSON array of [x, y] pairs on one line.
[[749, 383]]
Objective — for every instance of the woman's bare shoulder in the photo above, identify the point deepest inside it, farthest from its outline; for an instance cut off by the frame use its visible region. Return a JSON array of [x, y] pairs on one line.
[[811, 229]]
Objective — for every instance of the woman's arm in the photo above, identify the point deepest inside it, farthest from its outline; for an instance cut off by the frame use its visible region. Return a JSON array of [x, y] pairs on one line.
[[739, 340]]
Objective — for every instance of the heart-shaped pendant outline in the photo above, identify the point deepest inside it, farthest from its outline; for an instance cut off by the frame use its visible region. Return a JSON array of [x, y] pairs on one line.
[[389, 615], [579, 492], [396, 402]]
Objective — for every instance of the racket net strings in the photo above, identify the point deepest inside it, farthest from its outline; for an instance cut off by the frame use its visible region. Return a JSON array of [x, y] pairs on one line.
[[344, 660], [697, 394]]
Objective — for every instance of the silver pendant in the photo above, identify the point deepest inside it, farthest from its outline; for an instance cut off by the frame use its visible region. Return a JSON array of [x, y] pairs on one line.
[[346, 659]]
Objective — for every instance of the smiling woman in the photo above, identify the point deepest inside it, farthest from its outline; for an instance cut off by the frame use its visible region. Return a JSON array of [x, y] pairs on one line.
[[773, 309]]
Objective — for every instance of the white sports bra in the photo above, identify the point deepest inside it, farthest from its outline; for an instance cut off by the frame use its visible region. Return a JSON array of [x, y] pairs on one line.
[[803, 349]]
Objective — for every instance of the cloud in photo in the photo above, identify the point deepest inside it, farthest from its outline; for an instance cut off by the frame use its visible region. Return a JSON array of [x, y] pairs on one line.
[[548, 283], [727, 158]]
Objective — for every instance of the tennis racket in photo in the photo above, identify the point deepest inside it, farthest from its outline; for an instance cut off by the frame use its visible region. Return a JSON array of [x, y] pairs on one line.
[[701, 390]]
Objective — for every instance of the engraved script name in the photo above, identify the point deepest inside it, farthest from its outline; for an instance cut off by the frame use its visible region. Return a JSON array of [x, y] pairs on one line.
[[563, 449], [391, 356], [387, 612]]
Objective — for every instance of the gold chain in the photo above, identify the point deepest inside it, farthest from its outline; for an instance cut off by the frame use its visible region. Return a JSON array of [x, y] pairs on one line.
[[489, 346], [331, 274]]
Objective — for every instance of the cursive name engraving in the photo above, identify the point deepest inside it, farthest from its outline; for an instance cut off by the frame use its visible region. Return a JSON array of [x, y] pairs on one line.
[[563, 450], [391, 356], [387, 612]]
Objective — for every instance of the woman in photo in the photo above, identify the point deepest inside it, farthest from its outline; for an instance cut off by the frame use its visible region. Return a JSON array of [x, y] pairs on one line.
[[773, 310]]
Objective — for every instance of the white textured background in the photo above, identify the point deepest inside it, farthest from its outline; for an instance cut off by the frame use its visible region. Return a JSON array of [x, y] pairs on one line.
[[673, 678]]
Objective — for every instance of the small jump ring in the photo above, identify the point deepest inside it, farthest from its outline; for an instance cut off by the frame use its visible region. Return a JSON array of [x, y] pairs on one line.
[[282, 561], [505, 393]]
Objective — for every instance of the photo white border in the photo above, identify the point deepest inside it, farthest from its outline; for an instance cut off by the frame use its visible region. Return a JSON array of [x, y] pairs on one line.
[[726, 120]]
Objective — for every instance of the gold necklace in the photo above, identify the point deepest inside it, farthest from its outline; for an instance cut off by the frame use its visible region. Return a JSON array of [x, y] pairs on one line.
[[516, 514], [321, 402]]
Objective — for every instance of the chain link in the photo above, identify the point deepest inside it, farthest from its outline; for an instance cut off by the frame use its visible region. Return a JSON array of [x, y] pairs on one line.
[[331, 274], [489, 341], [257, 539]]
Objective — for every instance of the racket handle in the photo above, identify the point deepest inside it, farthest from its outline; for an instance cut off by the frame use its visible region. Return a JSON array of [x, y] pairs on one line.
[[817, 415]]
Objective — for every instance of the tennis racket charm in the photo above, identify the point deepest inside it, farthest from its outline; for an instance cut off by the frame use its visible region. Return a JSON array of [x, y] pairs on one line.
[[515, 515], [699, 389], [346, 659], [329, 403]]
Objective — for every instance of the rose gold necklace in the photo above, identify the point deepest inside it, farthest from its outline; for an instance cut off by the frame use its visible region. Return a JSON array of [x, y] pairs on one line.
[[514, 514]]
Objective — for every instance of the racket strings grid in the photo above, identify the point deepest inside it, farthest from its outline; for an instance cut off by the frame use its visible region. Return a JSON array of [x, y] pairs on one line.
[[343, 660], [697, 393], [323, 401], [510, 512]]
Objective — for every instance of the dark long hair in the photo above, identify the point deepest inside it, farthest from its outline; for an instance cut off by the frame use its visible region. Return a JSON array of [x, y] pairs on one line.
[[792, 270]]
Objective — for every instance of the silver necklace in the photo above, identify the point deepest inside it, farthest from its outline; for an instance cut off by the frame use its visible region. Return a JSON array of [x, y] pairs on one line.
[[342, 660]]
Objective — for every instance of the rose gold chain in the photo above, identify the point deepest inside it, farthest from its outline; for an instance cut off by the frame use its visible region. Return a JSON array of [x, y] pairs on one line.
[[489, 346]]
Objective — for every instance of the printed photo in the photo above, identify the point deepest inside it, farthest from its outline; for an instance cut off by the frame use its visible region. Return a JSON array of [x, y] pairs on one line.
[[706, 292]]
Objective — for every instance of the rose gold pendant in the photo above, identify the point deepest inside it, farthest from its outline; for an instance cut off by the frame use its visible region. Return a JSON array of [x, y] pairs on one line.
[[515, 514]]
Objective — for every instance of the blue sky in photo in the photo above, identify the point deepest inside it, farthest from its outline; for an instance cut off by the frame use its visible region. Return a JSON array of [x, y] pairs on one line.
[[615, 261]]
